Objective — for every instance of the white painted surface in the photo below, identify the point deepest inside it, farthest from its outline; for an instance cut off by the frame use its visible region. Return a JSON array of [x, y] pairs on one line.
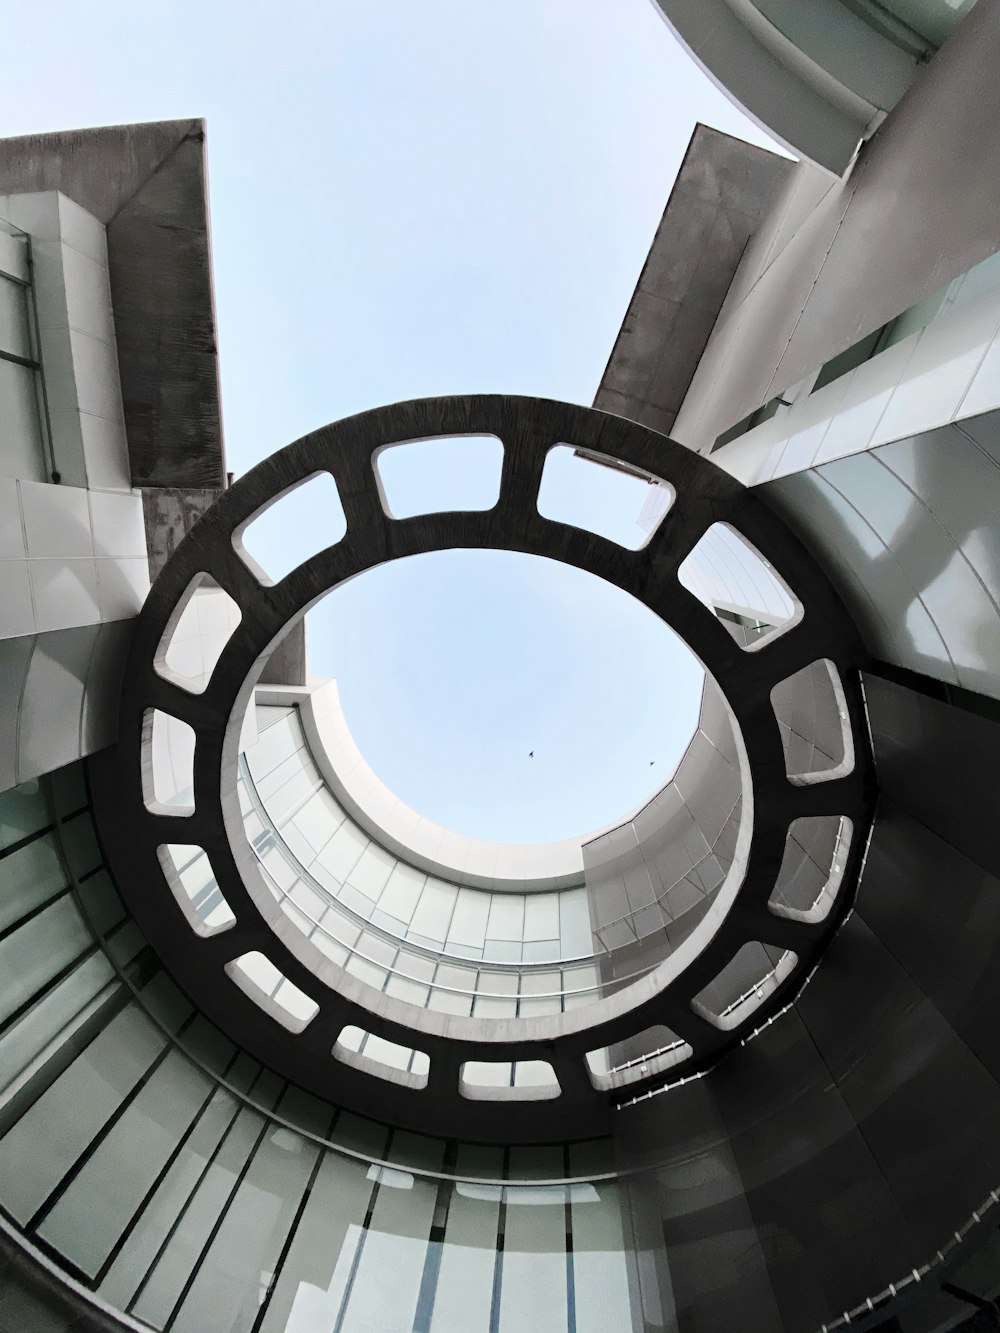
[[948, 371], [71, 554]]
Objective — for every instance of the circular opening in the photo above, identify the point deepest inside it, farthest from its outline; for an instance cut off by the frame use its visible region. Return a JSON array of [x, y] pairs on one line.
[[506, 696]]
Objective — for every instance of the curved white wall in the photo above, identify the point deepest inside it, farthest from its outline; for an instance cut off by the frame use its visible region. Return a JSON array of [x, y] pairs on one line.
[[815, 76]]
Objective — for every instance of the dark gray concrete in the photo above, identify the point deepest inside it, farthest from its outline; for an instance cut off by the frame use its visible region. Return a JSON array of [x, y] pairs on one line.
[[147, 184], [528, 429], [723, 189], [169, 513]]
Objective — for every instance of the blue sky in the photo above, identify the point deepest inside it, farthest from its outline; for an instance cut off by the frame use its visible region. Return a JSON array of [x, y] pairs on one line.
[[426, 199]]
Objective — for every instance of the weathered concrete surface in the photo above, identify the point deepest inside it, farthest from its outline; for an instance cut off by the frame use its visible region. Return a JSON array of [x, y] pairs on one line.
[[722, 191], [132, 830], [287, 664], [169, 514], [921, 206], [146, 183]]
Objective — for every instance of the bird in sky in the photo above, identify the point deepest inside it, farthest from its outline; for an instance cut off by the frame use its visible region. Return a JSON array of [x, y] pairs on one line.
[[531, 754]]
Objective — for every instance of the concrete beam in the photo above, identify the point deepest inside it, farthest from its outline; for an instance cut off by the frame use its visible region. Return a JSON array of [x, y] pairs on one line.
[[723, 190], [147, 184]]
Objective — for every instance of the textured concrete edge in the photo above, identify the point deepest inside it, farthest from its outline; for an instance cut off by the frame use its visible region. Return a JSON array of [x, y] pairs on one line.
[[528, 428]]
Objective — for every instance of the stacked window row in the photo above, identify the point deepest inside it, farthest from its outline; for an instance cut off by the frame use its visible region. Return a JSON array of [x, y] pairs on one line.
[[342, 860]]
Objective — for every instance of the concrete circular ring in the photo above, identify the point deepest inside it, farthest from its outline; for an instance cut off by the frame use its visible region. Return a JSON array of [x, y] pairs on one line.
[[528, 428]]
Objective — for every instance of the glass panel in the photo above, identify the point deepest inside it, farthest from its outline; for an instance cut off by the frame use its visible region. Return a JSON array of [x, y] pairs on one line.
[[132, 1265], [28, 877], [342, 853], [468, 924], [314, 1278], [38, 951], [236, 1272], [200, 1214], [55, 1016], [396, 1241], [42, 1147], [80, 845], [541, 916], [600, 1273], [100, 905], [275, 745], [534, 1246], [88, 1219], [506, 919], [318, 820], [464, 1291], [23, 810], [575, 927], [371, 872]]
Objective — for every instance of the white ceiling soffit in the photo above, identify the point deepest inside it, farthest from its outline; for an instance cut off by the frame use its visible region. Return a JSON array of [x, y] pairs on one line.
[[819, 91]]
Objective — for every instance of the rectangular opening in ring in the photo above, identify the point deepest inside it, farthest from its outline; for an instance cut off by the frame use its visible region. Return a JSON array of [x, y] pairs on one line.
[[385, 1059], [811, 710], [260, 980], [749, 978], [447, 474], [730, 576], [501, 1080], [648, 1053], [192, 881], [203, 623], [300, 522], [167, 763], [602, 495]]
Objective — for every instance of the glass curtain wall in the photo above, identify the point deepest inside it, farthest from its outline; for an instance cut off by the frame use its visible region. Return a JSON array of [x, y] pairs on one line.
[[185, 1184]]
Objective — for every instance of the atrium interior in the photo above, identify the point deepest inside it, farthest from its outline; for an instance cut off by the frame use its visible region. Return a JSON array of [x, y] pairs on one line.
[[282, 1052]]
